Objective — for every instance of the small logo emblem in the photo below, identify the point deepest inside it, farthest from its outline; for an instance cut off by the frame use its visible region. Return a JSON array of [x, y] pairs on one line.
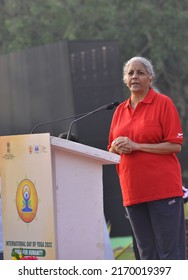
[[8, 147], [36, 148], [171, 202], [180, 135]]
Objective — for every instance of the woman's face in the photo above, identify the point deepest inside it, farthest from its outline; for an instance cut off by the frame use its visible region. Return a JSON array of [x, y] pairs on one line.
[[136, 78]]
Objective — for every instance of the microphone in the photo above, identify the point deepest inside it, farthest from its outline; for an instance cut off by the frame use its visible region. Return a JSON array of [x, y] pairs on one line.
[[54, 121], [109, 106]]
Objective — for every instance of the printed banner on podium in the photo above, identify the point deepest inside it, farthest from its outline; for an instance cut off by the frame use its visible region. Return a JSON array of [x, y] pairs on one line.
[[27, 196]]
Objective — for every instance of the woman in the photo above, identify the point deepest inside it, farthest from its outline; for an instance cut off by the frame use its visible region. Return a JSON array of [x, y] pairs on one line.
[[146, 132]]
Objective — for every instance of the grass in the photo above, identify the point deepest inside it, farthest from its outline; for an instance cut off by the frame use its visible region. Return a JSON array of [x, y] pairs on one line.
[[123, 248]]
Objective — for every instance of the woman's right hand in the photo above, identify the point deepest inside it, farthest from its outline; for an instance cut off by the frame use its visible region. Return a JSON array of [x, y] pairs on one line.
[[122, 145]]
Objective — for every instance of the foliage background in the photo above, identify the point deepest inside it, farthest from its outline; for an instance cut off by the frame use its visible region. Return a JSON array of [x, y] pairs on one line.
[[156, 29]]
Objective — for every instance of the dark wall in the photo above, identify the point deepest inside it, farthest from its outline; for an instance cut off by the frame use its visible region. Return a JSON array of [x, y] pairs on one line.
[[96, 80], [35, 86], [65, 79]]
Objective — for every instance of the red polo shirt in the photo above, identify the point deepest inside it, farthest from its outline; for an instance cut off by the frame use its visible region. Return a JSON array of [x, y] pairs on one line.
[[147, 176]]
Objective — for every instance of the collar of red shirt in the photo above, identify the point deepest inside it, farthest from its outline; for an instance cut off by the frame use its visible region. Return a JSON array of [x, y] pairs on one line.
[[148, 98]]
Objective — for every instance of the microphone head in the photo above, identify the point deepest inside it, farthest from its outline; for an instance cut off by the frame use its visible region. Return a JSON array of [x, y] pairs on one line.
[[112, 105]]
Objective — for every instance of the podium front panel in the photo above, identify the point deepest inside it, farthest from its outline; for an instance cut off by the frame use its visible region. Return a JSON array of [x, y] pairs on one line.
[[27, 196], [79, 202]]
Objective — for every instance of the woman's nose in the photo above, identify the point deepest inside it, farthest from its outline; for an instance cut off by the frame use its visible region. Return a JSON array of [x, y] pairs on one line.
[[134, 75]]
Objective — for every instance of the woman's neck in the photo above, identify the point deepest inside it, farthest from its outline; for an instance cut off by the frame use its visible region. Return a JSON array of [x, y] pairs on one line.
[[136, 97]]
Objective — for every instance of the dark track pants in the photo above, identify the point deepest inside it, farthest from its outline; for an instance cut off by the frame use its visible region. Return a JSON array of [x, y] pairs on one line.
[[159, 229]]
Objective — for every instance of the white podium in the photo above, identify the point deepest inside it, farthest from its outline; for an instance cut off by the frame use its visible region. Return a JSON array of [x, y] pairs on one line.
[[79, 198], [68, 215]]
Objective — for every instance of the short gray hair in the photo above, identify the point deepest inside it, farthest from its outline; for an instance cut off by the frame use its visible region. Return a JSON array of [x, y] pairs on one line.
[[146, 63]]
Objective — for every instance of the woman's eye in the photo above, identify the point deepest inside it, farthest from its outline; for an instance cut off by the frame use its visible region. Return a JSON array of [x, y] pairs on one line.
[[140, 73], [137, 73]]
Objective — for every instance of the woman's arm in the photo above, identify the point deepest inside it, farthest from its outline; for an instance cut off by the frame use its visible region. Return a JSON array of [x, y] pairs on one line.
[[160, 148]]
